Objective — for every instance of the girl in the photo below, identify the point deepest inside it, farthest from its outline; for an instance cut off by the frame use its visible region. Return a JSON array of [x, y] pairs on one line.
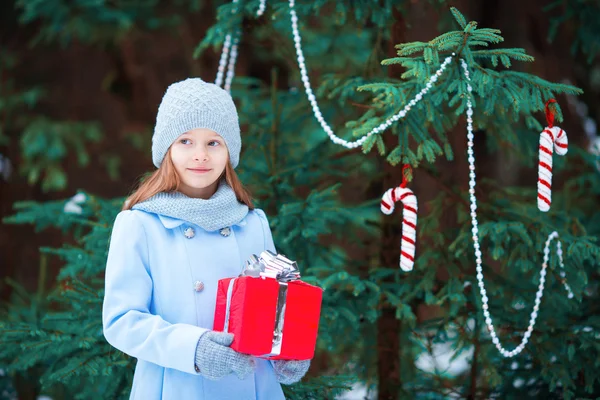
[[188, 225]]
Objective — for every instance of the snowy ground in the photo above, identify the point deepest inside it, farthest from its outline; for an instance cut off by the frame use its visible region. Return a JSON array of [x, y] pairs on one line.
[[358, 392]]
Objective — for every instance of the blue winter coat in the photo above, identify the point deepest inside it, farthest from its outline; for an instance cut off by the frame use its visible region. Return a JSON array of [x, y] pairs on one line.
[[153, 311]]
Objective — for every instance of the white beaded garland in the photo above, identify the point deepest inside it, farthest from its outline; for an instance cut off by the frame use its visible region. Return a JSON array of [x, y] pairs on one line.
[[229, 56], [315, 107], [223, 60], [232, 60], [478, 254], [229, 49], [261, 8]]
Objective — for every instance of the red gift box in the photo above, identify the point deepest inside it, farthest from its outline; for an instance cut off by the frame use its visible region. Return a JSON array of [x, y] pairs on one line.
[[252, 316]]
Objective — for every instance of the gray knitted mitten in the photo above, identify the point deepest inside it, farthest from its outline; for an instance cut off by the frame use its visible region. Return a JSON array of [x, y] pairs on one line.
[[215, 359], [290, 371]]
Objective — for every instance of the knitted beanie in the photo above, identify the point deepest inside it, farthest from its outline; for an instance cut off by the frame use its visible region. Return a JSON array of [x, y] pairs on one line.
[[193, 104]]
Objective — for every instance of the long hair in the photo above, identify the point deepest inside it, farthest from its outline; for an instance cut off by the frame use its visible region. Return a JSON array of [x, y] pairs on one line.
[[166, 179]]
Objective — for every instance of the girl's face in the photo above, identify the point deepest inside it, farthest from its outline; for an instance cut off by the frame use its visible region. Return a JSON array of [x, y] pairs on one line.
[[199, 157]]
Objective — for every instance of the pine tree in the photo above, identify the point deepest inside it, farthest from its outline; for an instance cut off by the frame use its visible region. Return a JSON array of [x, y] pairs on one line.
[[323, 206], [44, 143], [580, 13]]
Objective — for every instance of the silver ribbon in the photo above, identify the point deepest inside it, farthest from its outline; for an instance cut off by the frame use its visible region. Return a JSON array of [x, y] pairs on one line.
[[269, 265], [229, 293]]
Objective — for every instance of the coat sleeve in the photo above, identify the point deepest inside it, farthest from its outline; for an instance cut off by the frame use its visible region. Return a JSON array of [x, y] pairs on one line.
[[267, 234], [127, 322]]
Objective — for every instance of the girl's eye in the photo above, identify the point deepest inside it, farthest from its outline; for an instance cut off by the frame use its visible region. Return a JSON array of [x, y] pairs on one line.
[[184, 140], [214, 141]]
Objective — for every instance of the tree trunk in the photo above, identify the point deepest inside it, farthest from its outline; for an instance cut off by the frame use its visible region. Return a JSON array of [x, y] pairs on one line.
[[388, 326]]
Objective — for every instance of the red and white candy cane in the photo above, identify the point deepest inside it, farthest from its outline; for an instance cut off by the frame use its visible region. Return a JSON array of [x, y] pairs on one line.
[[409, 221], [551, 138]]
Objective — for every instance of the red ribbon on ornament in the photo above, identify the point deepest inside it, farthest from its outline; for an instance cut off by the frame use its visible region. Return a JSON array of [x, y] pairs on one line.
[[549, 113], [404, 180]]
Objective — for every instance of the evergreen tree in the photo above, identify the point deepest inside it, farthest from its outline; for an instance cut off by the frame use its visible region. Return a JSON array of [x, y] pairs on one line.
[[323, 205], [44, 144]]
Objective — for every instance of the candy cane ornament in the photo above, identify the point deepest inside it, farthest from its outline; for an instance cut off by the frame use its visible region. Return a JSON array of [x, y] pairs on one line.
[[551, 138], [409, 221]]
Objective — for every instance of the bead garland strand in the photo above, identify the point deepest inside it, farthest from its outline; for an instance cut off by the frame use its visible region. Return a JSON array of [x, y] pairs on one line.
[[261, 8], [229, 56], [229, 51], [232, 60], [315, 107], [223, 60], [475, 231]]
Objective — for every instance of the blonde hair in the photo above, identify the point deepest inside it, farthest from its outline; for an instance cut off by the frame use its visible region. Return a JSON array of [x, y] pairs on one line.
[[166, 179]]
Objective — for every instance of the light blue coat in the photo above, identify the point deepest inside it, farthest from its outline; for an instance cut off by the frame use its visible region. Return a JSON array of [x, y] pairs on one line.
[[153, 312]]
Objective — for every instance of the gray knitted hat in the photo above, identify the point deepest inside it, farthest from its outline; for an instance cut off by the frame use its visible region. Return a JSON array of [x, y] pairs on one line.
[[193, 104]]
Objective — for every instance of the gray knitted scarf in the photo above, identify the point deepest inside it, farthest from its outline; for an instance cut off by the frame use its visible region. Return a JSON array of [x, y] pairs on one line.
[[221, 210]]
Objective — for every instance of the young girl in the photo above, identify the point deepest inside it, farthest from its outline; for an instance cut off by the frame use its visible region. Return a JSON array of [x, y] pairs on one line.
[[188, 225]]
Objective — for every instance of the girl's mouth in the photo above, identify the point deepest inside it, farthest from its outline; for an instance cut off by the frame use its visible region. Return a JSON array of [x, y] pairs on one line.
[[199, 171]]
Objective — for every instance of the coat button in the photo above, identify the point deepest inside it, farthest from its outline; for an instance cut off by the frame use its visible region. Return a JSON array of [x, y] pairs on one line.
[[225, 231], [198, 286], [189, 232]]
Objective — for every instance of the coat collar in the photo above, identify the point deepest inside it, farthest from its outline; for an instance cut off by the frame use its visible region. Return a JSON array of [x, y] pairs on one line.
[[172, 223]]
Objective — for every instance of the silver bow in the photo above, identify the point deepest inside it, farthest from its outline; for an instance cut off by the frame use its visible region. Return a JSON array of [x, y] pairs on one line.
[[271, 265]]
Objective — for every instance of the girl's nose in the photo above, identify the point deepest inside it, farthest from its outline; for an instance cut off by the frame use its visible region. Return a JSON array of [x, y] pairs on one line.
[[201, 154]]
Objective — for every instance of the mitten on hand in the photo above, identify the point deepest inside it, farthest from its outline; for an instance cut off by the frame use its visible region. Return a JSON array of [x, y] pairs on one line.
[[215, 359], [290, 371]]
